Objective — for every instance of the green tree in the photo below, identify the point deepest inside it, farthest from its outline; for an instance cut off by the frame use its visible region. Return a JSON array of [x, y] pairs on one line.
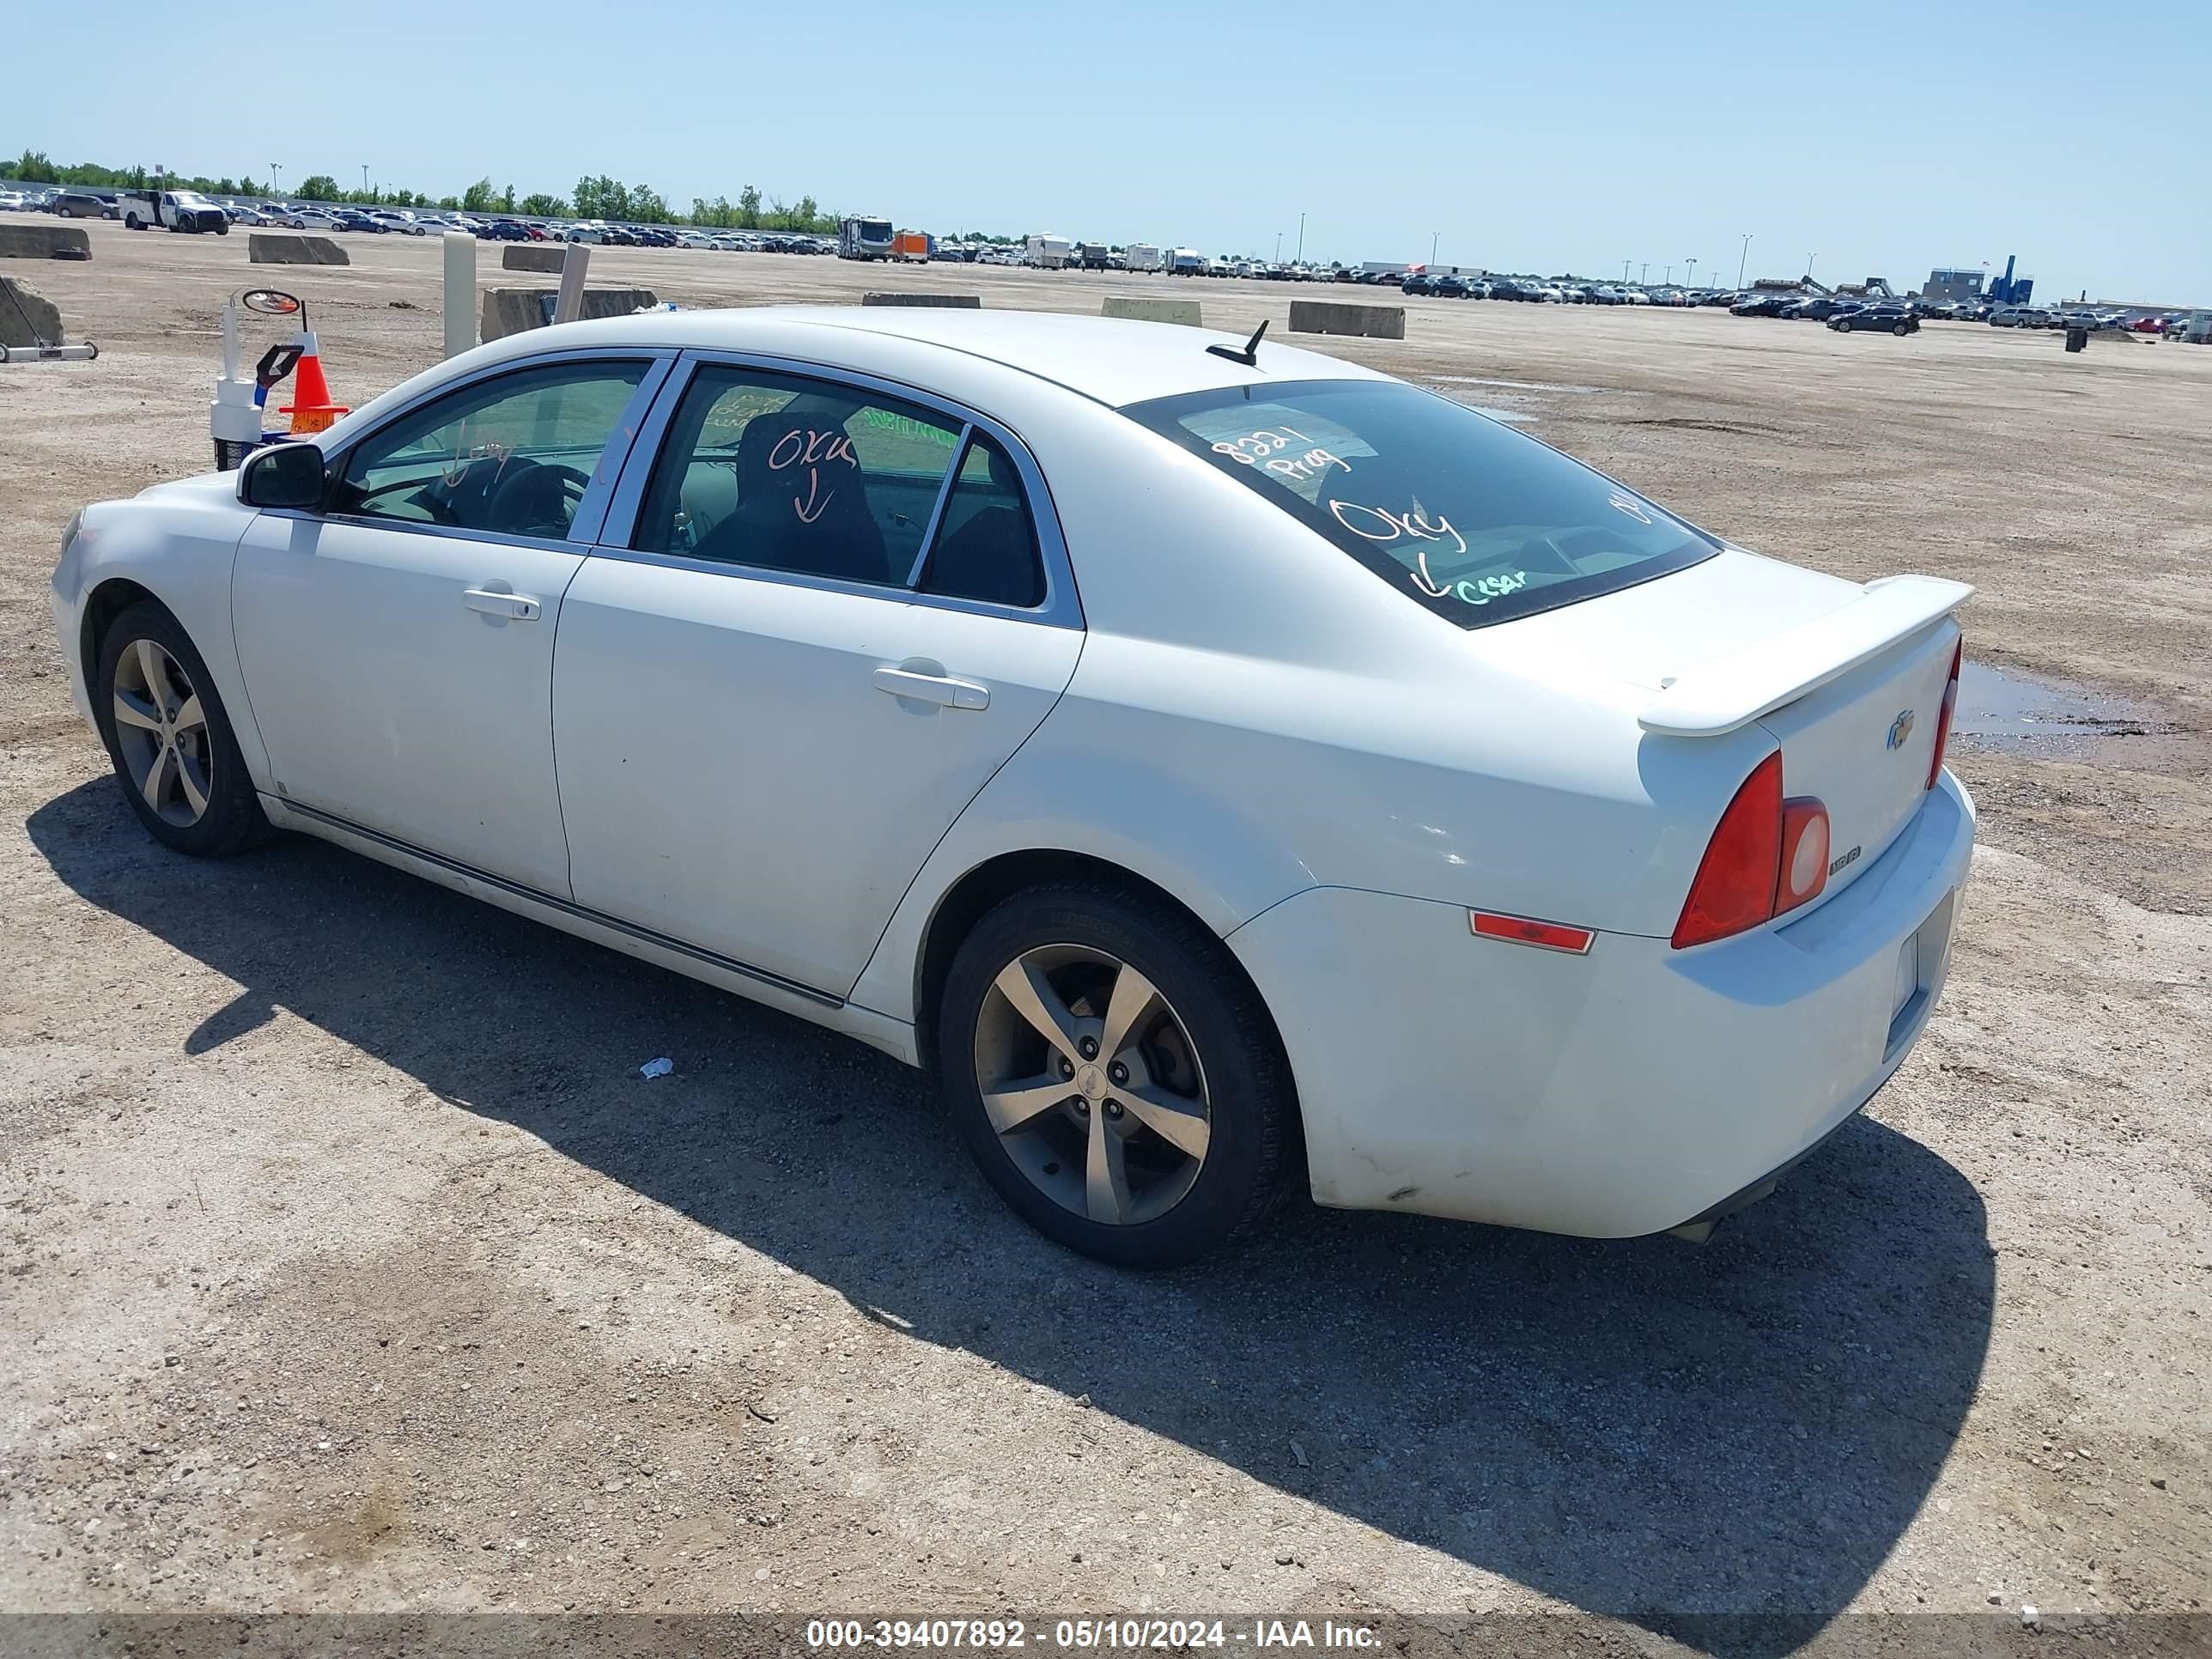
[[803, 217], [319, 187], [646, 207], [506, 199], [748, 208], [33, 167], [539, 205], [477, 197]]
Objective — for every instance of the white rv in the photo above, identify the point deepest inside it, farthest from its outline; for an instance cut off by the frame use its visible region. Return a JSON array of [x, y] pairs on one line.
[[1143, 256], [1045, 252]]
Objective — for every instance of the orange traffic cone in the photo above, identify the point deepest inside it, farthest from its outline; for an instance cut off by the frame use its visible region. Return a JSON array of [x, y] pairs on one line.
[[311, 410]]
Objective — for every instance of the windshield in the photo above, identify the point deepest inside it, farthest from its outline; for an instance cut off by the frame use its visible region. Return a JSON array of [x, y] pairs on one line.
[[876, 230], [1464, 515]]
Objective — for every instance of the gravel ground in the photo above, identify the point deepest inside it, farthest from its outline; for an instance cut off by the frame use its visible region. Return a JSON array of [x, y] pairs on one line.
[[351, 1265]]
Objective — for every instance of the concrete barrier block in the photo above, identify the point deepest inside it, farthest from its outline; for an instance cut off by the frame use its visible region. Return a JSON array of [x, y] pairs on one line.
[[44, 242], [265, 248], [1137, 310], [958, 301], [510, 310], [532, 256], [1330, 317], [46, 320]]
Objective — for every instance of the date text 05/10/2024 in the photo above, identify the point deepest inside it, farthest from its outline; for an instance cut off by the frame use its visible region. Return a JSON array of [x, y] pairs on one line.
[[1124, 1634]]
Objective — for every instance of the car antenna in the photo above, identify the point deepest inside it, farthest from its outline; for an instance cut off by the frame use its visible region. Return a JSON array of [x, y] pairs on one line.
[[1249, 354]]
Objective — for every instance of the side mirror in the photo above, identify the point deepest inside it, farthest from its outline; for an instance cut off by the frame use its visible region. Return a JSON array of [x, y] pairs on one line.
[[283, 475]]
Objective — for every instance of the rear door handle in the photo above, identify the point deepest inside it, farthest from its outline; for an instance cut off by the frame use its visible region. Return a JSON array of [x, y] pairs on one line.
[[516, 607], [939, 689]]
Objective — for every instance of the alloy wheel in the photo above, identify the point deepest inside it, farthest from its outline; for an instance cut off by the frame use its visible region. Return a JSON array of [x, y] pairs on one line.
[[1091, 1082], [162, 732]]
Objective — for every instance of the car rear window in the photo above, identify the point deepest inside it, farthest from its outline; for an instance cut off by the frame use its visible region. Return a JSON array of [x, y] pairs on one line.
[[1461, 514]]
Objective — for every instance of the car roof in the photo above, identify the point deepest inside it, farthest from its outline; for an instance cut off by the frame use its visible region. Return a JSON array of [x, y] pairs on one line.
[[1111, 360]]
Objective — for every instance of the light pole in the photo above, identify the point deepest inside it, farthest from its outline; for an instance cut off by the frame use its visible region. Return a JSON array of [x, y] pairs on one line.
[[1623, 270], [275, 189], [1743, 258], [1691, 279], [1644, 276], [364, 178], [1279, 248], [1301, 255], [1434, 236], [1809, 264], [1668, 279]]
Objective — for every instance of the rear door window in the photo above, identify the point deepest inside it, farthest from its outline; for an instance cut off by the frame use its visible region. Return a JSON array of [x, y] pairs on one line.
[[782, 472], [1462, 515]]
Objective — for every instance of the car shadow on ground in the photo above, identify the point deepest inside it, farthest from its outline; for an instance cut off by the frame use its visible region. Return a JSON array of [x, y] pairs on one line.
[[1648, 1428]]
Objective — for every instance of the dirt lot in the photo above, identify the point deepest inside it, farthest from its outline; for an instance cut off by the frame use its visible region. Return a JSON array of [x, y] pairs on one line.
[[352, 1267]]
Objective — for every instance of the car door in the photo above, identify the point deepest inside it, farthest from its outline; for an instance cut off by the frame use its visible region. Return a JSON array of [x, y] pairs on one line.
[[839, 610], [398, 646]]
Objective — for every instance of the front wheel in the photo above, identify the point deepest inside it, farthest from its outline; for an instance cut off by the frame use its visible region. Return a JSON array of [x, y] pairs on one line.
[[170, 738], [1115, 1075], [1902, 330], [1843, 324]]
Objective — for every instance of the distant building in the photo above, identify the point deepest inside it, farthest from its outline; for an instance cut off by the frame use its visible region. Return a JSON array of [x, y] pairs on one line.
[[1954, 284]]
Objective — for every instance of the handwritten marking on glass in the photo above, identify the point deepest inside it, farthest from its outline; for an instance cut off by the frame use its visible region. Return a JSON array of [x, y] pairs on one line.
[[811, 450], [1620, 503], [1378, 524]]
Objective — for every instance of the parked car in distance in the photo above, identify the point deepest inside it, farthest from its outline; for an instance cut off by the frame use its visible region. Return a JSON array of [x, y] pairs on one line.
[[1896, 320], [1762, 305], [78, 205], [399, 221], [14, 201], [1717, 824], [1448, 287], [305, 218]]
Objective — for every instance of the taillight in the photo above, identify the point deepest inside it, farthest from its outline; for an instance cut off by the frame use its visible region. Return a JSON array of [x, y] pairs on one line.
[[1804, 853], [1943, 720], [1767, 856]]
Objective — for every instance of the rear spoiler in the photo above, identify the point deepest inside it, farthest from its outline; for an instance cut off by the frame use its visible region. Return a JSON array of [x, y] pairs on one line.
[[1731, 692]]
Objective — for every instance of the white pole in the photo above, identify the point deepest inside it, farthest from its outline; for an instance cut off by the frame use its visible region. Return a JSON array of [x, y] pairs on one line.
[[570, 305], [460, 292]]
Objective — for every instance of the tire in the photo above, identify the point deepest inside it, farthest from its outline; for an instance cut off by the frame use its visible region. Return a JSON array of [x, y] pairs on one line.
[[1901, 329], [131, 221], [202, 758], [1843, 324], [1207, 1028]]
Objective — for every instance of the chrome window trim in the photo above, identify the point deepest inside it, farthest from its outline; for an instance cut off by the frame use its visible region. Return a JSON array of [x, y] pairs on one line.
[[1061, 606], [591, 513]]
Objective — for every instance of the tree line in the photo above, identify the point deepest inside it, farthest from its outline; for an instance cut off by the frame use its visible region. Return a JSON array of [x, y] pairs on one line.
[[594, 197]]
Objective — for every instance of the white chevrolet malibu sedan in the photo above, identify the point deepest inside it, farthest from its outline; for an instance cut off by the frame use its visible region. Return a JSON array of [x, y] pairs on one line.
[[1228, 767]]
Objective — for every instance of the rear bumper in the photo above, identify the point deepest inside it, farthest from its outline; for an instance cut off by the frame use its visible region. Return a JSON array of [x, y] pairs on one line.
[[1623, 1093]]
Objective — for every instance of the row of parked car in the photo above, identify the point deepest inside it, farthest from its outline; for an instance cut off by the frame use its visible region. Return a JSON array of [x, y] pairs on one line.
[[196, 212]]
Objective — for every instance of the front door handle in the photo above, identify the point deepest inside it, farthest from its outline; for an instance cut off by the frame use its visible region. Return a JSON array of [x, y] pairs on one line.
[[939, 689], [516, 607]]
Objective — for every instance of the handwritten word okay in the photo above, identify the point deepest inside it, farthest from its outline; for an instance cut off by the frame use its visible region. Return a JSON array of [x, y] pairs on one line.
[[1377, 524], [811, 450]]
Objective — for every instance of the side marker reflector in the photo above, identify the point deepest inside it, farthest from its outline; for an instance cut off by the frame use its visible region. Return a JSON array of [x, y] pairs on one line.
[[1525, 930]]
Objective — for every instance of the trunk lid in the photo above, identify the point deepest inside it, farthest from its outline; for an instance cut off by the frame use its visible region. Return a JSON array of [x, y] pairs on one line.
[[1861, 745]]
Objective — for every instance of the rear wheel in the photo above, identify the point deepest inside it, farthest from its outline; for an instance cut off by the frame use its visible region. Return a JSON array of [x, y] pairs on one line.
[[1901, 329], [1113, 1075], [170, 738]]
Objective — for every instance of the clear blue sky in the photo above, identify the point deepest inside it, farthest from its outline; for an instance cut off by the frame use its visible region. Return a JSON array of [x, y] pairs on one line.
[[1538, 136]]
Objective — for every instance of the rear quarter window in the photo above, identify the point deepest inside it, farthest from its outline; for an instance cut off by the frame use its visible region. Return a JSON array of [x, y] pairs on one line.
[[1462, 515]]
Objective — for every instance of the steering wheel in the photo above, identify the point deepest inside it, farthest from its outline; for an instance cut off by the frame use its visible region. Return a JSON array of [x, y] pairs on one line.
[[440, 513], [517, 504]]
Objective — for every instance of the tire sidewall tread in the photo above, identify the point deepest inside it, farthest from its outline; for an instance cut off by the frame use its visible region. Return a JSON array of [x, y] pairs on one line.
[[1252, 1153], [234, 820]]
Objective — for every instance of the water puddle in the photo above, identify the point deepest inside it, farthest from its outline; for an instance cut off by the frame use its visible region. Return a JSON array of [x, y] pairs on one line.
[[1516, 385], [2001, 704]]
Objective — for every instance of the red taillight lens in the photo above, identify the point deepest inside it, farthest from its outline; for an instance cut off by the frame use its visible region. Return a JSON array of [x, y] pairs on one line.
[[1735, 884], [1527, 930], [1769, 856], [1943, 720], [1804, 853]]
